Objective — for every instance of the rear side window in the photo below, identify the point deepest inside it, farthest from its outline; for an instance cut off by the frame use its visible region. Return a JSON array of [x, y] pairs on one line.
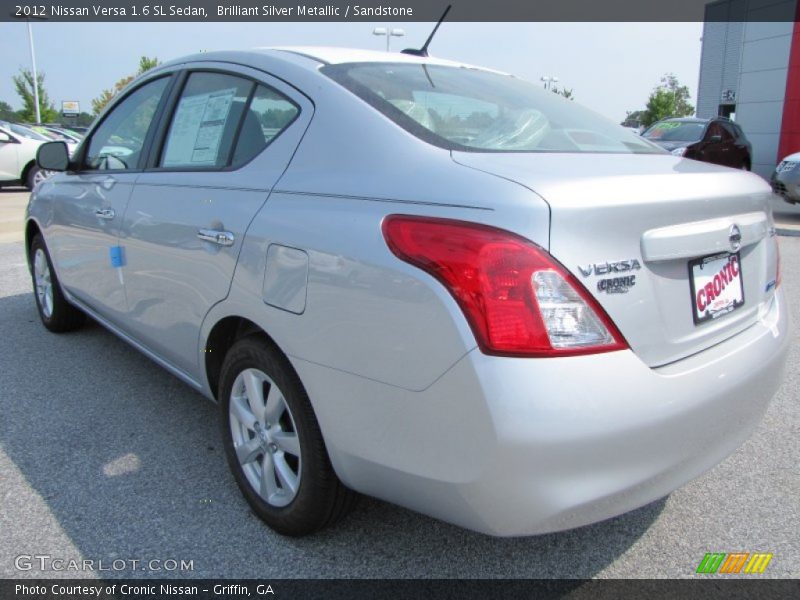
[[716, 128], [730, 128], [206, 120], [117, 143], [268, 115]]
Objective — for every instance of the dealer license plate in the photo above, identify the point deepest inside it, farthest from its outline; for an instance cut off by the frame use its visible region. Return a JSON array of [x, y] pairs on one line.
[[717, 288]]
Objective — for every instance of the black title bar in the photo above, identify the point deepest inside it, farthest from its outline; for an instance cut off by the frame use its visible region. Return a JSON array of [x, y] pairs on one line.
[[701, 587], [404, 10]]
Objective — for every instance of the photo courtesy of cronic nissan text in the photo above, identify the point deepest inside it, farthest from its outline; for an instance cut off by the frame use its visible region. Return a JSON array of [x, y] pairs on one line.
[[399, 299]]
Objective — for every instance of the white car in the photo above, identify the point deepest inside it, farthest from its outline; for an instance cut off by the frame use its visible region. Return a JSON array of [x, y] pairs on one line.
[[18, 158]]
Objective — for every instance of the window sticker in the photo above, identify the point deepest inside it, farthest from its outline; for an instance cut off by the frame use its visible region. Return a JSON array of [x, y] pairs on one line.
[[197, 129]]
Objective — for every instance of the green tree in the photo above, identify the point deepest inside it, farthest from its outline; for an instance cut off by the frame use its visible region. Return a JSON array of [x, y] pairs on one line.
[[633, 118], [24, 84], [668, 99], [145, 64], [6, 112], [99, 103], [84, 119]]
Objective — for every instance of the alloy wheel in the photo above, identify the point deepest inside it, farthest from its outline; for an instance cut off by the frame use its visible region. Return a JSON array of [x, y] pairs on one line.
[[44, 285], [39, 176], [265, 437]]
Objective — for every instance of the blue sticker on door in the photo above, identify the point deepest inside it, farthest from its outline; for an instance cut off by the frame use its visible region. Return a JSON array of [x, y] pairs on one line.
[[117, 256]]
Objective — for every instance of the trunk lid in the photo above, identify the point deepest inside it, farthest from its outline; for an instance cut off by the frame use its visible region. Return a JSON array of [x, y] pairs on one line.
[[617, 216]]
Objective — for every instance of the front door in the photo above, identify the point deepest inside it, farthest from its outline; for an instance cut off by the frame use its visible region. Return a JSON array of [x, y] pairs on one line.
[[89, 205], [231, 136]]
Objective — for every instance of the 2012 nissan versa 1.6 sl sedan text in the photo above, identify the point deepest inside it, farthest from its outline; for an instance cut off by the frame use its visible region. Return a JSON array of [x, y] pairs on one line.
[[419, 280]]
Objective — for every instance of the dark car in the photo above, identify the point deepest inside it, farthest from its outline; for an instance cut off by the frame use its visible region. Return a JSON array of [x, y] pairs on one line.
[[718, 140]]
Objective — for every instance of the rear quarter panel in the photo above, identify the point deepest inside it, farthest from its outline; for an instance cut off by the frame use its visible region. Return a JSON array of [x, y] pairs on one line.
[[366, 312]]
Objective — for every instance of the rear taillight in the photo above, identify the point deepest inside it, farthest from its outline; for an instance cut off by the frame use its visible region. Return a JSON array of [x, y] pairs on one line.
[[517, 298]]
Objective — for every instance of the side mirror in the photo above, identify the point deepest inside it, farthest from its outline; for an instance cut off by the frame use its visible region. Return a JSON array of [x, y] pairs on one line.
[[6, 139], [53, 156], [715, 139]]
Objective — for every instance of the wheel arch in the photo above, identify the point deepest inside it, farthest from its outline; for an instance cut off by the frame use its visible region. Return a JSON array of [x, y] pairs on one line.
[[222, 336], [31, 230], [26, 169]]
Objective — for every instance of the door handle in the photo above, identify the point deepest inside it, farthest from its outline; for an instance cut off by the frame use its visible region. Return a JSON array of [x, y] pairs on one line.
[[105, 213], [221, 238]]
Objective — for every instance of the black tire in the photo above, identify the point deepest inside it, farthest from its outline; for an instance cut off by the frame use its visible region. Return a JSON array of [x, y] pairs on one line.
[[29, 178], [321, 498], [64, 316]]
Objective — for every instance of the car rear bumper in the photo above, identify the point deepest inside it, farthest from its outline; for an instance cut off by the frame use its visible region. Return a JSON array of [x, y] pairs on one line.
[[511, 446]]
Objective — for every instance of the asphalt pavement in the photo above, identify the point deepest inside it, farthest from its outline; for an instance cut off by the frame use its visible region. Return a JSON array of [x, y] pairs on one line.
[[106, 457]]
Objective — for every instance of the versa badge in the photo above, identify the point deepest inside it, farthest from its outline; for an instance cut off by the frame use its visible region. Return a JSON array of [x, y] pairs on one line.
[[613, 285]]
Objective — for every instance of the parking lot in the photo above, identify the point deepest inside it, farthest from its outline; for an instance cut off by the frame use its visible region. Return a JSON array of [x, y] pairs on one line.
[[104, 456]]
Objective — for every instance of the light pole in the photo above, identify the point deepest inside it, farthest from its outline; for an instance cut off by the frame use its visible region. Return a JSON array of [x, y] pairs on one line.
[[35, 77], [549, 80], [388, 33]]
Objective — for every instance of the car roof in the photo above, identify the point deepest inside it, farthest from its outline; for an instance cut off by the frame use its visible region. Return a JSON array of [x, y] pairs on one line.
[[310, 58], [685, 120], [336, 55]]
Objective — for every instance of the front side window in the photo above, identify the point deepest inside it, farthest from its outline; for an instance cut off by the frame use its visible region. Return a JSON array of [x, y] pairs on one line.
[[118, 141], [471, 109]]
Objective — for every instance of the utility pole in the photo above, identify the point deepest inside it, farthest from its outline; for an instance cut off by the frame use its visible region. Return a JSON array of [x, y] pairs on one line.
[[388, 33], [549, 80], [35, 76]]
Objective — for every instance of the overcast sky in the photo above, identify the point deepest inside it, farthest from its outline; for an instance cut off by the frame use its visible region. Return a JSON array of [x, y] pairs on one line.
[[611, 67]]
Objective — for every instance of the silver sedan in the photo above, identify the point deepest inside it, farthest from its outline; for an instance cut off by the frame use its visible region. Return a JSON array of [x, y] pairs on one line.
[[419, 280], [786, 178]]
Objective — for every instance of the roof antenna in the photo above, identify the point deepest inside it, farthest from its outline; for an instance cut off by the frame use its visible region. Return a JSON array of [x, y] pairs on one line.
[[424, 50]]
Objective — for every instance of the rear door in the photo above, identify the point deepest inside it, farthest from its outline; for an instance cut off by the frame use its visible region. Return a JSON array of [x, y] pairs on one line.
[[228, 137]]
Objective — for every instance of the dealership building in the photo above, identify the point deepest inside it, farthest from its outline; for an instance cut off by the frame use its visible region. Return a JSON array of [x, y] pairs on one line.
[[750, 72]]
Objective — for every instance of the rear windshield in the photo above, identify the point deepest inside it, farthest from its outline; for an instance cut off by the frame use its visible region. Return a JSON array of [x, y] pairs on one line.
[[675, 131], [474, 110]]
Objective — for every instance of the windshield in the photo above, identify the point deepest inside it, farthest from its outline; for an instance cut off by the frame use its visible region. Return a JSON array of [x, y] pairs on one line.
[[676, 131], [470, 109]]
